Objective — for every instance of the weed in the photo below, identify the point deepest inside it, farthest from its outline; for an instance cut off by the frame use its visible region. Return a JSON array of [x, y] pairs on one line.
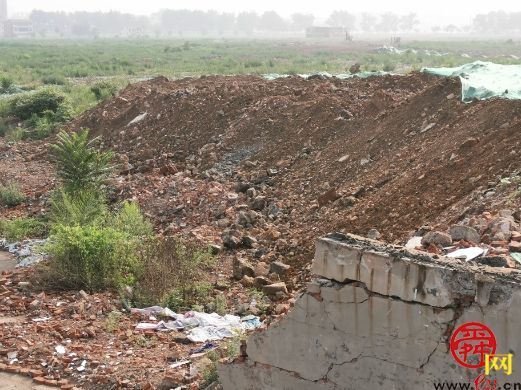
[[104, 89], [10, 195], [174, 274], [130, 220], [22, 228], [112, 323], [14, 134]]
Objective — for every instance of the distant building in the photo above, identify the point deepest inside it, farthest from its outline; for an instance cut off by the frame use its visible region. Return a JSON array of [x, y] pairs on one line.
[[18, 28], [326, 32], [3, 10]]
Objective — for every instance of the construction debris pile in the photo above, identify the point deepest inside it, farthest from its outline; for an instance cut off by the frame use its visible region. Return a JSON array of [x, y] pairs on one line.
[[258, 170]]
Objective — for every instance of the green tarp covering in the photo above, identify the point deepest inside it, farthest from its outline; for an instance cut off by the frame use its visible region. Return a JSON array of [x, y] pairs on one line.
[[483, 80]]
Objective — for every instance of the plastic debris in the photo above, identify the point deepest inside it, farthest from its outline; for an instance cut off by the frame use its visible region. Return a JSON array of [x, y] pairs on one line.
[[180, 363], [200, 327], [484, 80], [466, 254], [516, 256], [138, 119], [414, 242], [82, 366], [157, 311], [60, 349], [204, 348]]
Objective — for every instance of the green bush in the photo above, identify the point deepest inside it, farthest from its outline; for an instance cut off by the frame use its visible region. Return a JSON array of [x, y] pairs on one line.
[[6, 84], [81, 209], [54, 80], [80, 166], [104, 89], [91, 258], [131, 221], [174, 274], [22, 228], [37, 103], [10, 195]]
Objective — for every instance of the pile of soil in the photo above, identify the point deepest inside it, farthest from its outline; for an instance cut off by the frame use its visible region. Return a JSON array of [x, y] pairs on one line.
[[392, 153]]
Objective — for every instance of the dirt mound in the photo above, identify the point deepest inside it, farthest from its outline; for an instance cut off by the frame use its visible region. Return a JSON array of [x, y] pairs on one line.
[[391, 153]]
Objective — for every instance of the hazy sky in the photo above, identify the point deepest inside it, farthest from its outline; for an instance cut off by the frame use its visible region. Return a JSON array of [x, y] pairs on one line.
[[450, 10]]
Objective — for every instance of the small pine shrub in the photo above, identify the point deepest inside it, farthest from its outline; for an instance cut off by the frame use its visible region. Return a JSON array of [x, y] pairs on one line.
[[80, 166], [130, 220], [84, 208]]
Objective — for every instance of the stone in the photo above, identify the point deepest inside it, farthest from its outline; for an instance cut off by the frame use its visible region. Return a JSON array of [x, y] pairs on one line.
[[248, 241], [259, 203], [467, 233], [261, 281], [514, 246], [261, 269], [275, 288], [327, 197], [374, 234], [247, 281], [279, 268], [241, 267], [215, 249], [347, 201], [231, 239], [437, 238], [251, 192]]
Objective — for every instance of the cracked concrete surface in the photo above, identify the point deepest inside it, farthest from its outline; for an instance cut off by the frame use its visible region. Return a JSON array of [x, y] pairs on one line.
[[378, 316]]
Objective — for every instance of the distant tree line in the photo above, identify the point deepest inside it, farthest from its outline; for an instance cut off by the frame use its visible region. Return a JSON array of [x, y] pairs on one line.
[[497, 22], [188, 22], [179, 22]]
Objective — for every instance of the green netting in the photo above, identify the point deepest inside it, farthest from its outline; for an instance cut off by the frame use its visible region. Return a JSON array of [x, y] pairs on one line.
[[483, 80]]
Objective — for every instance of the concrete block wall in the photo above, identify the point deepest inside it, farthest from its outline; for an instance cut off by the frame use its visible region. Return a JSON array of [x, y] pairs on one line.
[[378, 316]]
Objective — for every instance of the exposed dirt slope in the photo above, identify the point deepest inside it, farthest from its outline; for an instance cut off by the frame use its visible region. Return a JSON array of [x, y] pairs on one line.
[[405, 146]]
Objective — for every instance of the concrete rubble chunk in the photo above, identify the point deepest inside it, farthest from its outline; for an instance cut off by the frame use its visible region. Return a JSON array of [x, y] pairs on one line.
[[467, 233], [392, 318], [275, 288], [437, 238]]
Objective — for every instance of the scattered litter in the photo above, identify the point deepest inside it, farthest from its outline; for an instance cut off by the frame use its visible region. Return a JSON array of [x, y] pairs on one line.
[[180, 363], [201, 327], [41, 319], [82, 366], [137, 119], [466, 254], [60, 349], [157, 311], [204, 348], [516, 256], [12, 357], [414, 242]]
